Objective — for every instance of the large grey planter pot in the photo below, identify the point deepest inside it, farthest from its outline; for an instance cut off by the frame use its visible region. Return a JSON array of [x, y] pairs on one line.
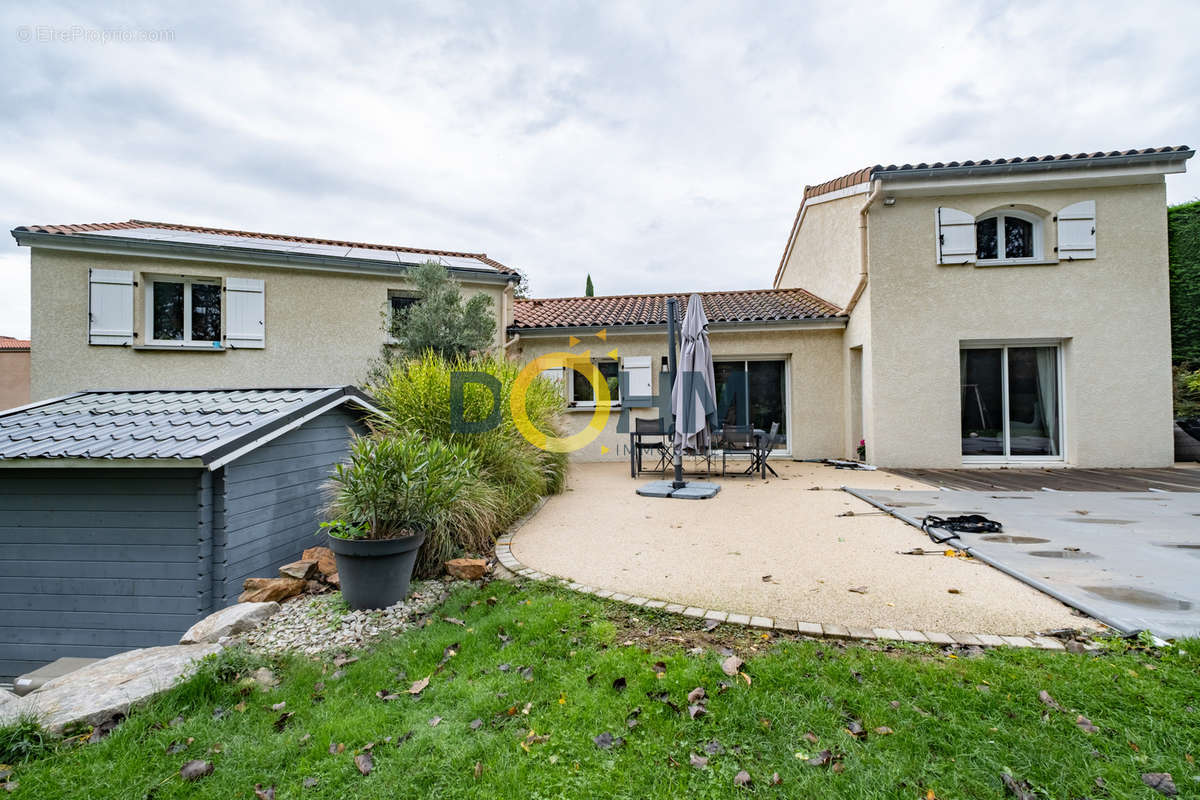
[[375, 573]]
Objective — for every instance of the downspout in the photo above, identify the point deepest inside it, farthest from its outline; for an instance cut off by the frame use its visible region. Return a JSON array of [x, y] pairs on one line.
[[862, 246], [504, 345]]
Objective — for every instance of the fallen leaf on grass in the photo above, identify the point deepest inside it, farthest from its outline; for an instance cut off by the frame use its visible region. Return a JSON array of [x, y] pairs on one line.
[[1018, 789], [11, 786], [343, 659], [364, 762], [175, 748], [731, 665], [282, 722], [336, 748], [1046, 699], [433, 723], [195, 770], [697, 694], [714, 748], [607, 741], [856, 729], [387, 695], [811, 737], [820, 759], [453, 621], [884, 730], [1086, 724], [527, 674], [619, 684], [775, 779], [1161, 782], [279, 706], [310, 783], [102, 730], [696, 711], [476, 724], [743, 779], [264, 794], [478, 769], [699, 762], [418, 686]]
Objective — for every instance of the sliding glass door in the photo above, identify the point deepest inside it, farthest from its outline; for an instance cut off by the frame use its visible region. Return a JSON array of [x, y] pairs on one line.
[[752, 393], [1011, 402]]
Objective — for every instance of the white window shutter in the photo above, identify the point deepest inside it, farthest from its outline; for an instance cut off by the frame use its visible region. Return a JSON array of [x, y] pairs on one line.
[[955, 236], [636, 387], [245, 313], [110, 307], [1077, 230]]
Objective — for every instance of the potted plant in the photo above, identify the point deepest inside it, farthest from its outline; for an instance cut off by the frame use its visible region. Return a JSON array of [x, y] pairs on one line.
[[396, 490]]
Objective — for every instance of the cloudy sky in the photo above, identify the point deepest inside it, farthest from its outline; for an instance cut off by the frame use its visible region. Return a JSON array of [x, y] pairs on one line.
[[658, 146]]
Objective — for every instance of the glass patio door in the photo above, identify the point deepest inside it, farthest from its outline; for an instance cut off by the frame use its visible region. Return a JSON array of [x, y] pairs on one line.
[[1011, 403], [752, 392]]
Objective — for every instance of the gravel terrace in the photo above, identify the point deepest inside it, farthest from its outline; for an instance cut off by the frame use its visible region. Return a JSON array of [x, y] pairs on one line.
[[783, 548]]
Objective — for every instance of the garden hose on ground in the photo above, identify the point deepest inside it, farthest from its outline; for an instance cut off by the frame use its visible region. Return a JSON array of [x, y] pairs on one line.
[[970, 523]]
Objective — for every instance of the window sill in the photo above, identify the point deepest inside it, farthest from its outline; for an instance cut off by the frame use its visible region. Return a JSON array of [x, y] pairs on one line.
[[1016, 262], [591, 406], [191, 348]]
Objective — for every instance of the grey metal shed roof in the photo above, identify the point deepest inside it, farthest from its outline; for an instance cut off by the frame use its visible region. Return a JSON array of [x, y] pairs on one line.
[[203, 425]]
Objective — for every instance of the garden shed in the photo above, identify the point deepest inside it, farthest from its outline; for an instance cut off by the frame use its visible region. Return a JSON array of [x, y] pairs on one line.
[[125, 516]]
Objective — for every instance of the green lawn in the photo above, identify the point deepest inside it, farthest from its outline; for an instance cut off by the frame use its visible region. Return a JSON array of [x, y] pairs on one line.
[[957, 723]]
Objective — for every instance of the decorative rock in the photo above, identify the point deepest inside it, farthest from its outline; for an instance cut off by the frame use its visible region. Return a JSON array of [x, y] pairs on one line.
[[264, 678], [99, 691], [326, 561], [467, 569], [302, 570], [6, 697], [228, 622], [264, 590], [334, 580]]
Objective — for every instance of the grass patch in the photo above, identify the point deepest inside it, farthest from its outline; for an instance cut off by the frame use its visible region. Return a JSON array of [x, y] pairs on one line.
[[543, 660]]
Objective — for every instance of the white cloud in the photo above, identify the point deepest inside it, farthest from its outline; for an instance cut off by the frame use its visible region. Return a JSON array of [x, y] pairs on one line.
[[655, 146]]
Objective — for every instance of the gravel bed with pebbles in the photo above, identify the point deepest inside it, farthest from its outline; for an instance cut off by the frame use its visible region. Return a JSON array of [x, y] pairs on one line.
[[315, 624]]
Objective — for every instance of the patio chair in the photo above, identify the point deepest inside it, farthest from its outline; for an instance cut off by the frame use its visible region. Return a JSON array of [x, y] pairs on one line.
[[764, 451], [739, 439], [648, 435]]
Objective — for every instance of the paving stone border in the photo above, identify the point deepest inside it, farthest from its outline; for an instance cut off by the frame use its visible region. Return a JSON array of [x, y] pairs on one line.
[[816, 630]]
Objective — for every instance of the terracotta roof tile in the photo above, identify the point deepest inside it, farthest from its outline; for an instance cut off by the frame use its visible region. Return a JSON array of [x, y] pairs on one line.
[[9, 343], [133, 224], [754, 305]]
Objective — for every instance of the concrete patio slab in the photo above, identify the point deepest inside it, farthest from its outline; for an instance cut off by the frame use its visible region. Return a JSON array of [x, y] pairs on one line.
[[1129, 559], [786, 548]]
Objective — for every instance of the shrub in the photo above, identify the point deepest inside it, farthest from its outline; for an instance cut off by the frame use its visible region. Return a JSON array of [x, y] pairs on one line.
[[441, 320], [1187, 394], [398, 483], [1183, 245], [415, 395]]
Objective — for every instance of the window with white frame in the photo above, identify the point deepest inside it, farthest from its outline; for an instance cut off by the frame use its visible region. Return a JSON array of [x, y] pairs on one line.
[[184, 311], [1008, 236], [579, 388]]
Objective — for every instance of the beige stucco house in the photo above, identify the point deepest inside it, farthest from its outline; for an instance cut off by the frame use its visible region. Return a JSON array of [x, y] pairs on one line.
[[134, 305], [996, 312], [14, 372]]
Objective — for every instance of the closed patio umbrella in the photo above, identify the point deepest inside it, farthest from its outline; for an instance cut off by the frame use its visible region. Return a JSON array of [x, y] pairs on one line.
[[694, 390]]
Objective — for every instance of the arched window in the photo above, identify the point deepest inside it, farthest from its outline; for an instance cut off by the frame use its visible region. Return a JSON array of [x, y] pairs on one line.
[[1008, 236]]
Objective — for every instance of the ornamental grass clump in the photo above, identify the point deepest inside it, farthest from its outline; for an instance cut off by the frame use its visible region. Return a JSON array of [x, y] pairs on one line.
[[399, 483], [416, 396]]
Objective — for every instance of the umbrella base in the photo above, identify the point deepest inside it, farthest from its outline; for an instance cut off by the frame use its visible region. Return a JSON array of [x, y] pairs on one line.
[[691, 490]]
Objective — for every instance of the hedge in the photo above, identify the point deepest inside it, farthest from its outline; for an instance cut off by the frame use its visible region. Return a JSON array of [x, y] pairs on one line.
[[1183, 243]]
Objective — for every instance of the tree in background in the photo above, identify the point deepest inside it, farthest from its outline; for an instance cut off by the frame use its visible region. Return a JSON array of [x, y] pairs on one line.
[[521, 289], [440, 321], [1183, 245], [589, 291]]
